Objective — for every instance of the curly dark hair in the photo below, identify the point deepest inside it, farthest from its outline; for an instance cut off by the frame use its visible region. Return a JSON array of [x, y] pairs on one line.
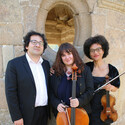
[[28, 36], [59, 66], [98, 39]]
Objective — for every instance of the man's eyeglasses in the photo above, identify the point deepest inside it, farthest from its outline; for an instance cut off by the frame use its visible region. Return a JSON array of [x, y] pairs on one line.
[[95, 50], [35, 42]]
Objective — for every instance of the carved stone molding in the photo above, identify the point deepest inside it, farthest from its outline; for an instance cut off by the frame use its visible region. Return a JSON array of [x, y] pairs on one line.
[[113, 5]]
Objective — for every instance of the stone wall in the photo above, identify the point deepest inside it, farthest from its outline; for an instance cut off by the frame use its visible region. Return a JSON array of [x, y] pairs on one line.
[[105, 17]]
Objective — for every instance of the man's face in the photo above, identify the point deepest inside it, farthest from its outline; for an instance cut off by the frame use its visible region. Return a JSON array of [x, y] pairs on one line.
[[36, 46]]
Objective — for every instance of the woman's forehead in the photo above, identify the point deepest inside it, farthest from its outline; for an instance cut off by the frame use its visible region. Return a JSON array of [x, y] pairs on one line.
[[95, 45], [66, 51]]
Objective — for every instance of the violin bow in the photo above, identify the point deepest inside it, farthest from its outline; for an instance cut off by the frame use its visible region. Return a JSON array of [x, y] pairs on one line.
[[109, 82]]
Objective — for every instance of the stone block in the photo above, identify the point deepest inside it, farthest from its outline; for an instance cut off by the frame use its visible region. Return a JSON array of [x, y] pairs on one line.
[[53, 35], [1, 63], [18, 51], [51, 22], [80, 5], [50, 28], [100, 11], [11, 34], [36, 2], [91, 4], [41, 20], [10, 11], [24, 2], [116, 38], [117, 5], [84, 28], [5, 117], [53, 40], [116, 20], [8, 54], [98, 24], [29, 16], [3, 103]]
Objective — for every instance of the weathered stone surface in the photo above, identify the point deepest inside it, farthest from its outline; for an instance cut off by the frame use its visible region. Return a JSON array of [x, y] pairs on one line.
[[11, 33], [120, 121], [29, 16], [41, 20], [116, 38], [3, 105], [18, 51], [36, 2], [50, 28], [117, 5], [5, 117], [116, 20], [74, 4], [24, 2], [98, 24], [92, 4], [1, 63], [10, 11], [8, 54], [84, 28]]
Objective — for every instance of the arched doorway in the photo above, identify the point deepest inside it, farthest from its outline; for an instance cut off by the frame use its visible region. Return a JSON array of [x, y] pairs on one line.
[[78, 18], [59, 26]]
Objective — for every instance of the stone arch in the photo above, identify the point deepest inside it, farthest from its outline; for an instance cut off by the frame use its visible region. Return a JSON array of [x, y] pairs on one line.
[[59, 27], [82, 21]]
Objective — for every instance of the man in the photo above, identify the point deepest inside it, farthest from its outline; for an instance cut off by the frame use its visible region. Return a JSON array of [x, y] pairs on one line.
[[27, 81]]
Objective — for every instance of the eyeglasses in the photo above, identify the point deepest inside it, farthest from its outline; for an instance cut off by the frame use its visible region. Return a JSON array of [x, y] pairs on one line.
[[95, 50], [35, 42]]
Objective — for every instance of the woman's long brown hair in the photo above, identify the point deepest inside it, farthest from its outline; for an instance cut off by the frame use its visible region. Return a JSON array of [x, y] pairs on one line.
[[59, 66]]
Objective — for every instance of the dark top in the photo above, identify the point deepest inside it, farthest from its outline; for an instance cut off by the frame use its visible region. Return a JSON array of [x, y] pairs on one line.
[[96, 101], [65, 90], [85, 83]]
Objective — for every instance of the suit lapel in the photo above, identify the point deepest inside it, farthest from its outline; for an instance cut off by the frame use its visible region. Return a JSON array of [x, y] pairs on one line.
[[27, 67], [45, 71]]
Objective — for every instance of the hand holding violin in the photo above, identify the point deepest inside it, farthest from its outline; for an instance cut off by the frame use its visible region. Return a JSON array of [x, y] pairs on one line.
[[110, 87]]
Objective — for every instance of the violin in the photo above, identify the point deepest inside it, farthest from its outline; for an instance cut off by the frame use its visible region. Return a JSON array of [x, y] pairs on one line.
[[108, 82], [109, 114], [73, 116]]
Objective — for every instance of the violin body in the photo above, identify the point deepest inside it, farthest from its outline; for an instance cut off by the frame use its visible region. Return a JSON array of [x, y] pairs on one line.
[[81, 117], [108, 112]]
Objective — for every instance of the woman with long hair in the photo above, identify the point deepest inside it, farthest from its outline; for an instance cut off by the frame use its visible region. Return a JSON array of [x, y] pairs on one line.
[[61, 83]]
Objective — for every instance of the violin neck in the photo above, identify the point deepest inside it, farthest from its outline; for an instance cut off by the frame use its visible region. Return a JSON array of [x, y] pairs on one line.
[[107, 99]]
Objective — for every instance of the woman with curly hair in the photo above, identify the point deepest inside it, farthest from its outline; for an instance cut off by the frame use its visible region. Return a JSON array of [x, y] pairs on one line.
[[61, 87], [96, 48]]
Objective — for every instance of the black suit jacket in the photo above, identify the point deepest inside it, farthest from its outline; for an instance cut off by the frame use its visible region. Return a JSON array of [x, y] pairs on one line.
[[20, 88], [85, 82]]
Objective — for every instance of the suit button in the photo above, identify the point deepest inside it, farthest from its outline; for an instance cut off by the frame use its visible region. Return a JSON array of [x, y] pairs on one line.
[[80, 93], [80, 84]]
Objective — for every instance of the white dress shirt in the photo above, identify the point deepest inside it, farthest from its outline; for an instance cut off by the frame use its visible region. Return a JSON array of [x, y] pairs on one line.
[[40, 81]]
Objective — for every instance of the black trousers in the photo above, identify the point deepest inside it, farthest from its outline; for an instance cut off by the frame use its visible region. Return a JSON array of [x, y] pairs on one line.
[[40, 116]]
